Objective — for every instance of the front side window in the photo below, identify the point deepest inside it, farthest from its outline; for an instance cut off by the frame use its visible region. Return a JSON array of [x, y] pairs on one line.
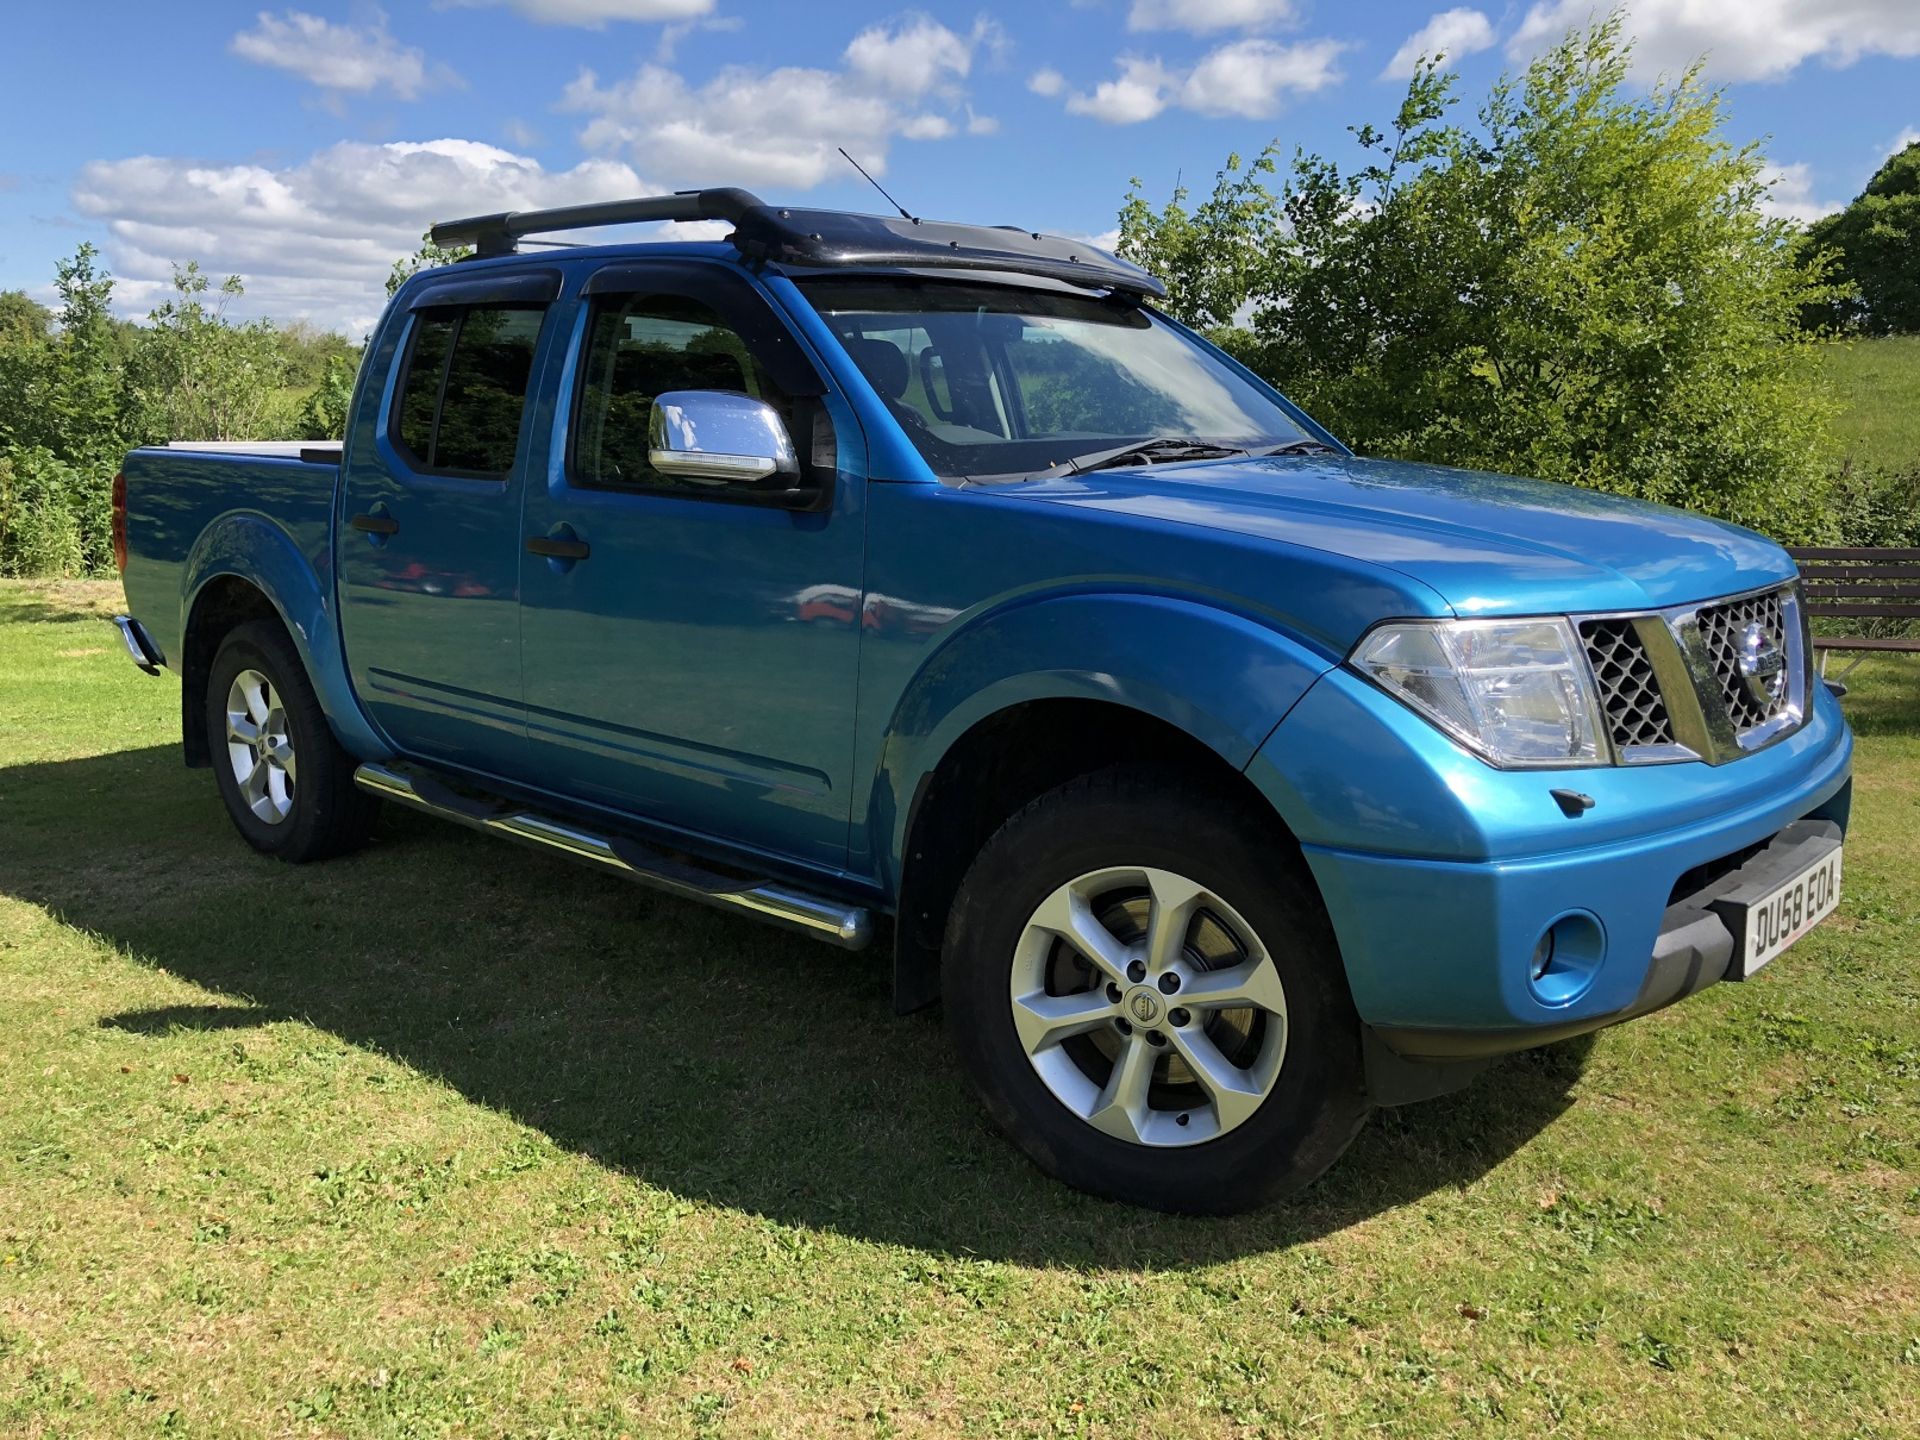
[[643, 346], [465, 388], [996, 380]]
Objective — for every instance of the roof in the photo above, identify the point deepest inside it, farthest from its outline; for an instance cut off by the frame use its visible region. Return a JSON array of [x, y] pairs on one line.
[[827, 239]]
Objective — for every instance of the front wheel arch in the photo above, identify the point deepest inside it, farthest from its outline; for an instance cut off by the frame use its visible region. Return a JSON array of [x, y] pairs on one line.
[[999, 765]]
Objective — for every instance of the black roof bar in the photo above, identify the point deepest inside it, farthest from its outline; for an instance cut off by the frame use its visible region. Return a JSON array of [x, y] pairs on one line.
[[823, 239], [498, 234]]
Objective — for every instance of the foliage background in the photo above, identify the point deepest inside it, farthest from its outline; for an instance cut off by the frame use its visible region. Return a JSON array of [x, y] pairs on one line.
[[1579, 283]]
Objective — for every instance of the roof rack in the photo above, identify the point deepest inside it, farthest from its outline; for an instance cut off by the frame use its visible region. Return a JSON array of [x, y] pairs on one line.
[[823, 239], [500, 234]]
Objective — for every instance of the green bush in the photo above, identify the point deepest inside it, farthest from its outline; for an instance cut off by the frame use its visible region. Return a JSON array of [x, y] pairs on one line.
[[1580, 287], [53, 520], [1880, 508]]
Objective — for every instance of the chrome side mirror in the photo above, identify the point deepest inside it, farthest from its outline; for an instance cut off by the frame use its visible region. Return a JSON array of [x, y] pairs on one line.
[[716, 437]]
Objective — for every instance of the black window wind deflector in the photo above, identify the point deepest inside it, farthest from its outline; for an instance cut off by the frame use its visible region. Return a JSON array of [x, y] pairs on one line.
[[823, 239], [503, 287]]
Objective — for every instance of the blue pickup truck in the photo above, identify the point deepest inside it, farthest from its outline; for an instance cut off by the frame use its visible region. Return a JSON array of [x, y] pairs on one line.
[[866, 574]]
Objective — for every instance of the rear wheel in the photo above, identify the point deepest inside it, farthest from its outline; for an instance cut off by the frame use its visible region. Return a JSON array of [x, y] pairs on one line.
[[287, 784], [1143, 986]]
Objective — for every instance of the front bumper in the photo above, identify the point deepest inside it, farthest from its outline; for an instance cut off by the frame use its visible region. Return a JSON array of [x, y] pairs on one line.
[[1441, 874], [1694, 949]]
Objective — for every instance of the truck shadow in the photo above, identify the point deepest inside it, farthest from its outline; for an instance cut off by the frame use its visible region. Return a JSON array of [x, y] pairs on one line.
[[692, 1050]]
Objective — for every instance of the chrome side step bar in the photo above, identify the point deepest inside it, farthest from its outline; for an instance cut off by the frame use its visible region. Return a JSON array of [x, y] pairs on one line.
[[848, 926]]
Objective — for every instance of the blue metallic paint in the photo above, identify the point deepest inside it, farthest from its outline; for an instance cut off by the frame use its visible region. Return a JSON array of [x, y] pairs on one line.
[[281, 545], [705, 604], [430, 617], [1219, 597], [1445, 944]]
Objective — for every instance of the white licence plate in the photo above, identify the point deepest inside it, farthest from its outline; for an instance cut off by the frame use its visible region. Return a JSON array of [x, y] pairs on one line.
[[1775, 921]]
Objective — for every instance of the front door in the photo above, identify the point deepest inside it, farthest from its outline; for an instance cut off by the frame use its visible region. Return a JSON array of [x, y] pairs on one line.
[[683, 669], [429, 538]]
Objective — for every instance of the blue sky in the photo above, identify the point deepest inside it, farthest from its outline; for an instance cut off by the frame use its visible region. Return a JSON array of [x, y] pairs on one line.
[[305, 148]]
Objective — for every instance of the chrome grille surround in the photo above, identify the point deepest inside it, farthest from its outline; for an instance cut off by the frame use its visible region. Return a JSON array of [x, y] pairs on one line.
[[1684, 666]]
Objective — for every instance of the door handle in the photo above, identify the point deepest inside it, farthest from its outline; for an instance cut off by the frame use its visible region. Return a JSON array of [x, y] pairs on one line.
[[558, 549], [375, 524]]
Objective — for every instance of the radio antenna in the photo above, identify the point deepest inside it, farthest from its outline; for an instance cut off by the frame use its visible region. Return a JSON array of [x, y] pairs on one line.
[[904, 215]]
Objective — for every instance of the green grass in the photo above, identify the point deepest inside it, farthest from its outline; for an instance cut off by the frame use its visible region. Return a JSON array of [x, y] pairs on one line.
[[1878, 385], [447, 1138]]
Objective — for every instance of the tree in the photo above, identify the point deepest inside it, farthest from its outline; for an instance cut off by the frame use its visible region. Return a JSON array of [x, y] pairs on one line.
[[83, 419], [1875, 243], [324, 416], [23, 320], [425, 258], [198, 376], [1581, 287]]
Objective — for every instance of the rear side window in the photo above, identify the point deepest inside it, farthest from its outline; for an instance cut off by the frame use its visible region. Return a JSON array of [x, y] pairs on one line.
[[465, 388]]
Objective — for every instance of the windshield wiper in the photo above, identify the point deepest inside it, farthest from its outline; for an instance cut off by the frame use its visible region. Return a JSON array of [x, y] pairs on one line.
[[1141, 452], [1300, 447]]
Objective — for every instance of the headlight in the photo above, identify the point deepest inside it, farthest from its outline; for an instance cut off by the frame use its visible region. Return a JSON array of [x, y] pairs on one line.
[[1517, 691]]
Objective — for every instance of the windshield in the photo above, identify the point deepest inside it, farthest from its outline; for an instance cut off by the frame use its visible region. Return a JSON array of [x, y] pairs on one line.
[[994, 380]]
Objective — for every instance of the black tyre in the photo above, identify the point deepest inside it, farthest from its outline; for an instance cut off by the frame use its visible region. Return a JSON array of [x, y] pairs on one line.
[[287, 783], [1143, 986]]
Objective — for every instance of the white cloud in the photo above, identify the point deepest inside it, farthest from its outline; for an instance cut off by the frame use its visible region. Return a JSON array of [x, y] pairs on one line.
[[359, 58], [913, 54], [926, 127], [1202, 17], [981, 124], [1049, 82], [1742, 39], [594, 14], [1905, 138], [313, 240], [1251, 78], [1790, 196], [783, 126], [1139, 92], [1452, 33], [776, 127]]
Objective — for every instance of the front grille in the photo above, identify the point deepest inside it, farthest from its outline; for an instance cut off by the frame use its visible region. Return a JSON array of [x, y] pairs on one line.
[[1629, 693], [1723, 630]]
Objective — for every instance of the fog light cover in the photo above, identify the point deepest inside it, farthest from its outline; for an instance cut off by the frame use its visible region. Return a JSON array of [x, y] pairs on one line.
[[1566, 958]]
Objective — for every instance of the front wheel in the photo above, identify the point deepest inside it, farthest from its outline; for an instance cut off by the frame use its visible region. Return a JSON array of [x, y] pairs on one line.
[[1143, 986], [287, 784]]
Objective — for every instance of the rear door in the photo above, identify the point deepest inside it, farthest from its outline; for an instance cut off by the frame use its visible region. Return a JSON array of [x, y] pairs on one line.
[[429, 540], [687, 669]]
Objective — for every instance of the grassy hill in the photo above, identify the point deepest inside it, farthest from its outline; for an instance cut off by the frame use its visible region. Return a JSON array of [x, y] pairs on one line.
[[1878, 384]]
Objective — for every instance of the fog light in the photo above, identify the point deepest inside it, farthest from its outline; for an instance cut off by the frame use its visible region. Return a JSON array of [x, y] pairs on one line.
[[1566, 958]]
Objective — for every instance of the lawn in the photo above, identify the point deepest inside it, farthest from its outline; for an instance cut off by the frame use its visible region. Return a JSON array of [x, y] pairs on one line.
[[1878, 385], [450, 1138]]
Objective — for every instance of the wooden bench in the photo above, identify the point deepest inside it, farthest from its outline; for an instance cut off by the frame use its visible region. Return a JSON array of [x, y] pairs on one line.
[[1861, 584]]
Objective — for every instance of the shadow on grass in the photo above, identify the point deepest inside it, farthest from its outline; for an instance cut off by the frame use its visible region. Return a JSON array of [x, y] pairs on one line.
[[693, 1050]]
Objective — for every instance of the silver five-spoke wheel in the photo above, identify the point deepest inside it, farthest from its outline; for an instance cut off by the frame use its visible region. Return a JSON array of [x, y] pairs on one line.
[[1149, 1007], [260, 746]]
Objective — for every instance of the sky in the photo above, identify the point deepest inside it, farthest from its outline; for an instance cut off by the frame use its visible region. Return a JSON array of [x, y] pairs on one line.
[[306, 148]]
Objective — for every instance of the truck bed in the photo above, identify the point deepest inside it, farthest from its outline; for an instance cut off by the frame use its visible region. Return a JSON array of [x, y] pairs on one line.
[[191, 502]]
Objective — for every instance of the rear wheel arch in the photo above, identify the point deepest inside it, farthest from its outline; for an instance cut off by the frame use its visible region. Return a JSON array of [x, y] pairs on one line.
[[222, 605], [999, 765]]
